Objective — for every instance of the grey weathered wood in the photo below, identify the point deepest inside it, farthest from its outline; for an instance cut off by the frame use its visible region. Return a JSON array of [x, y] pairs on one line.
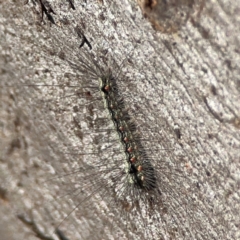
[[190, 80]]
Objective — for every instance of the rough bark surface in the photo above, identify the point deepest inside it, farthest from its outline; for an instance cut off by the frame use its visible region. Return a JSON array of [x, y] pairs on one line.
[[186, 83]]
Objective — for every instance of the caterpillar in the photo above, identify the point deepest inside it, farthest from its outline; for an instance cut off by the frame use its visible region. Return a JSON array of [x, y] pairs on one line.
[[114, 165], [138, 165], [129, 174], [128, 170]]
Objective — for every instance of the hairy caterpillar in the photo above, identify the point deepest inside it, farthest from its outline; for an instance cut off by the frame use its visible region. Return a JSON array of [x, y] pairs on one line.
[[113, 165], [138, 165], [100, 153]]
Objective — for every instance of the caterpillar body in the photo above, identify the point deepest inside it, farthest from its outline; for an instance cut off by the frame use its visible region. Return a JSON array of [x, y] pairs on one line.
[[139, 167]]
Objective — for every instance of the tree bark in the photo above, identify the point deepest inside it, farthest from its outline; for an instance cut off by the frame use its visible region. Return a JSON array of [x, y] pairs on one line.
[[183, 79]]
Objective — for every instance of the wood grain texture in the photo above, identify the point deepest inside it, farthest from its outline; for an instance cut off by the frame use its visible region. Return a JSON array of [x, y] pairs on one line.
[[187, 84]]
